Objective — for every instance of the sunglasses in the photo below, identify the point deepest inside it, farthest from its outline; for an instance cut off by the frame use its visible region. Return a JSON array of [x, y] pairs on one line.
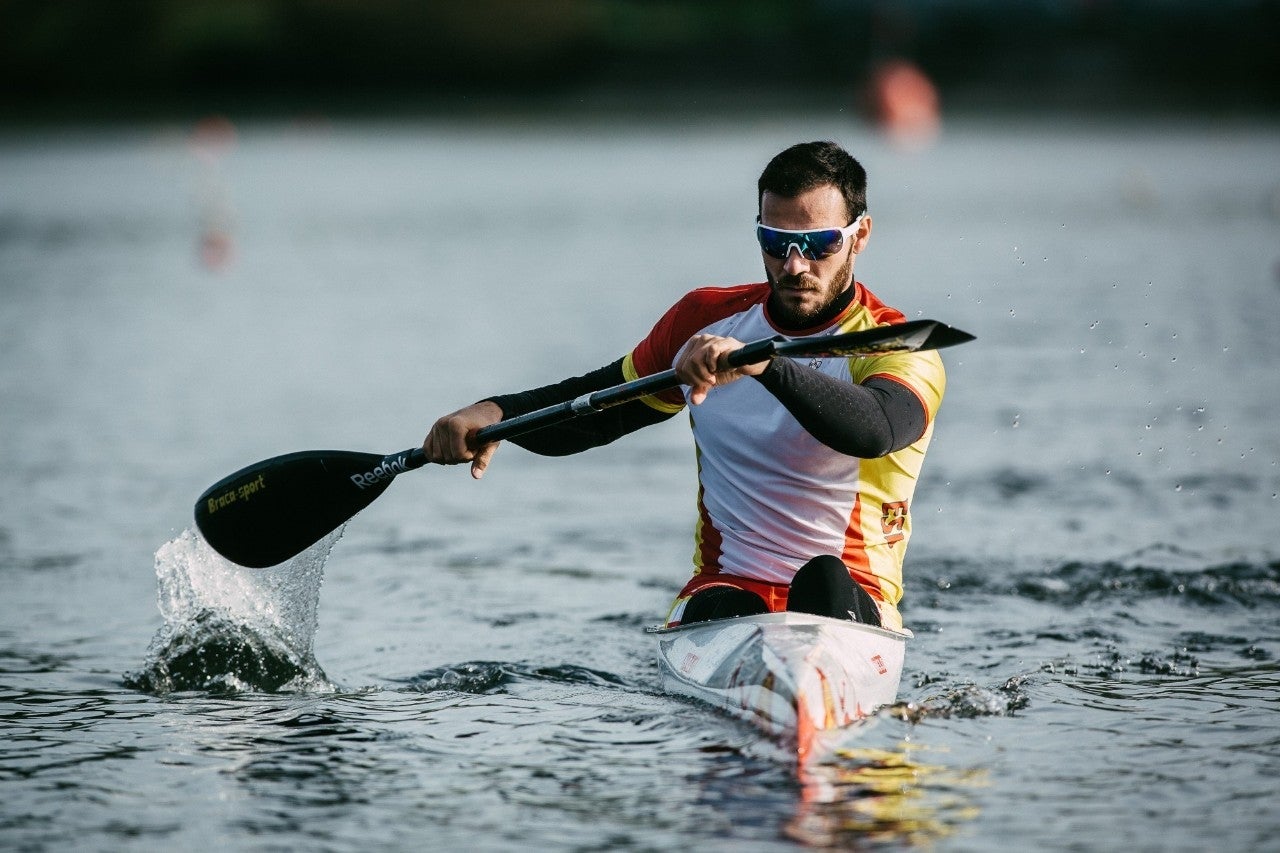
[[813, 245]]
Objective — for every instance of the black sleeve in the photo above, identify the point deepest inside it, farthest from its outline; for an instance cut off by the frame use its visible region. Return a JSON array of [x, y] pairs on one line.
[[583, 433], [868, 421]]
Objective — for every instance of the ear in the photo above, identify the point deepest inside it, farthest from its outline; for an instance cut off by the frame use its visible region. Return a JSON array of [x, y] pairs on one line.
[[862, 235]]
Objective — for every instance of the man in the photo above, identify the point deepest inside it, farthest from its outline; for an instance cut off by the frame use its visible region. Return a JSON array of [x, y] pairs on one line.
[[806, 468]]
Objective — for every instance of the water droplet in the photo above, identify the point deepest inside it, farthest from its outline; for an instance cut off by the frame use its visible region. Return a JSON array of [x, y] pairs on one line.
[[1094, 324], [1178, 488]]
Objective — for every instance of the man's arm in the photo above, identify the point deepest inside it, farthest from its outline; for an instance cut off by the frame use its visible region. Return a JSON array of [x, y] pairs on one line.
[[869, 420], [451, 439], [582, 433]]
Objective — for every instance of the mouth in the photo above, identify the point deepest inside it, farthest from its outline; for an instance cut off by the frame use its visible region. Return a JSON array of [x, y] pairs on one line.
[[795, 287], [797, 282]]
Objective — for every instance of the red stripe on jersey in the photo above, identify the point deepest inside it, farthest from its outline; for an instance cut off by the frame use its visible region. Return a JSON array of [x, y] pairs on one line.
[[855, 553], [707, 560]]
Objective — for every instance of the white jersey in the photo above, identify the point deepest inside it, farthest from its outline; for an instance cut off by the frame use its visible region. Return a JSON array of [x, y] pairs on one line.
[[771, 496]]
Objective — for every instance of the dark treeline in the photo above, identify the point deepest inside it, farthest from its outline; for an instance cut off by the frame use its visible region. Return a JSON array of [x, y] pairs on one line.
[[1048, 53]]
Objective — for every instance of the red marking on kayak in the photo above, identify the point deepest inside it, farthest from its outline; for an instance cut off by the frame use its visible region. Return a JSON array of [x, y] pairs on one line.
[[689, 662], [879, 662], [804, 732]]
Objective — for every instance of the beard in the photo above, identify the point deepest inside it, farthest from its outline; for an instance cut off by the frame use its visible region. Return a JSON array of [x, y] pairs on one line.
[[820, 296]]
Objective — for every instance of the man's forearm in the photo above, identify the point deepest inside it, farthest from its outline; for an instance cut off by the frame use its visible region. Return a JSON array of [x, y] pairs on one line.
[[866, 421]]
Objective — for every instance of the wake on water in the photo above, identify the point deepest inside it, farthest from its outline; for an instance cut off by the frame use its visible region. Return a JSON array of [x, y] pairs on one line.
[[228, 629]]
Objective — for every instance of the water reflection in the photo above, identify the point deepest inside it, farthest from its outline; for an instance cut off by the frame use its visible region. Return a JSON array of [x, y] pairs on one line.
[[883, 795]]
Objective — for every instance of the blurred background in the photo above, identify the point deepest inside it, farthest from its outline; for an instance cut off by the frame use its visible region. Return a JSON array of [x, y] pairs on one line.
[[231, 229], [90, 59]]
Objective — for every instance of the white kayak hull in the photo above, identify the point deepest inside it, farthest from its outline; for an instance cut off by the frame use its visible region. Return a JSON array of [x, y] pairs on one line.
[[797, 677]]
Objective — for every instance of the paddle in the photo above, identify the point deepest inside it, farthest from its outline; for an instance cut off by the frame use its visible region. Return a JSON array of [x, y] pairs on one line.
[[277, 508]]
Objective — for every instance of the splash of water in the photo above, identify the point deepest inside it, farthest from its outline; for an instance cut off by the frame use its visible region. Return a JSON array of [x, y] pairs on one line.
[[228, 629], [966, 700], [491, 677]]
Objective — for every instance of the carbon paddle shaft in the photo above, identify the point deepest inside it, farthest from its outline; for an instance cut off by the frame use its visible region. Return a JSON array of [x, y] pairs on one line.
[[277, 508], [912, 336]]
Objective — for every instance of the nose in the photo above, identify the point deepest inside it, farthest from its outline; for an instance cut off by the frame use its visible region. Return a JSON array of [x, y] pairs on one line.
[[795, 263]]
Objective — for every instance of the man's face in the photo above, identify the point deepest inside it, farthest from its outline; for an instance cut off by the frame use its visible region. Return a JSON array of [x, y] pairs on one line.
[[803, 289]]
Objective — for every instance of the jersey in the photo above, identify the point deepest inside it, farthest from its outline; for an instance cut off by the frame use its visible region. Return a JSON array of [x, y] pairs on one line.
[[770, 495]]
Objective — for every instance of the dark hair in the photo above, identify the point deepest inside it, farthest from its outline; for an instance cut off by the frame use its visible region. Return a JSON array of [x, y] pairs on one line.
[[813, 164]]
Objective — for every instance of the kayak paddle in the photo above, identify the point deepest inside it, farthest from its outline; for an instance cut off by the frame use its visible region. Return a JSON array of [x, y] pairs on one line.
[[277, 508]]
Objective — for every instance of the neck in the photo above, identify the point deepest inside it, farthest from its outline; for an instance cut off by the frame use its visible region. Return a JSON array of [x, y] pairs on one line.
[[826, 315]]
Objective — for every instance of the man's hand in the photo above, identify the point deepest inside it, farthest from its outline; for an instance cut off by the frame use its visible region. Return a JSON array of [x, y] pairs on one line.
[[451, 440], [701, 365]]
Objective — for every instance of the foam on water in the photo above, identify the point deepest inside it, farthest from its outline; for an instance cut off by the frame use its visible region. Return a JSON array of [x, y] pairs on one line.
[[228, 628], [483, 677]]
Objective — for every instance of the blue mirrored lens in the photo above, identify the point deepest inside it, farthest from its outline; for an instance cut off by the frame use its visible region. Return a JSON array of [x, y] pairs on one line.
[[812, 244]]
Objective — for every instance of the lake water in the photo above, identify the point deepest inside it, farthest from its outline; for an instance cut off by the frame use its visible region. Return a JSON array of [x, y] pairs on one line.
[[1094, 582]]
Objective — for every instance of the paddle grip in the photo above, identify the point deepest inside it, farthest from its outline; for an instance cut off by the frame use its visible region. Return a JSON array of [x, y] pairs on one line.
[[413, 458], [752, 353]]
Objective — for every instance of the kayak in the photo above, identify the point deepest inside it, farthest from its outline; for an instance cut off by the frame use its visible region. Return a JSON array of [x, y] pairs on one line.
[[802, 679]]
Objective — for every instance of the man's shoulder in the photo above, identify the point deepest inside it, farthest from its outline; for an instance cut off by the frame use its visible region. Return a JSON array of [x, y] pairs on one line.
[[922, 372], [695, 311], [872, 311], [705, 306], [716, 303]]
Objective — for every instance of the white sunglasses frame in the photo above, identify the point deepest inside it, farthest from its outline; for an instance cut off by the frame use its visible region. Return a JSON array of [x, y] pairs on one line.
[[846, 232]]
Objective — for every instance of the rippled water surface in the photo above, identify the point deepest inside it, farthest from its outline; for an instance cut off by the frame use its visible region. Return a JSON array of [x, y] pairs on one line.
[[1094, 584]]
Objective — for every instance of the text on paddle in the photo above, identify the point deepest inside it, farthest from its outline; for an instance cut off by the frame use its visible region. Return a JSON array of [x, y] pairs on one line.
[[385, 471], [238, 493]]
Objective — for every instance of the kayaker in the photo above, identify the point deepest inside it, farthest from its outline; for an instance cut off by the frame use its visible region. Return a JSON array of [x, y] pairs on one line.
[[806, 469]]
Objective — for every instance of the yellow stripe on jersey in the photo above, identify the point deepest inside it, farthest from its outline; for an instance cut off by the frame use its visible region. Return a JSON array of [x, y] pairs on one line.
[[653, 401], [886, 485]]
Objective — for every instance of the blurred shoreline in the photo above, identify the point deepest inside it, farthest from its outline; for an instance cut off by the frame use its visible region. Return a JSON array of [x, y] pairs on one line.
[[82, 61], [691, 107]]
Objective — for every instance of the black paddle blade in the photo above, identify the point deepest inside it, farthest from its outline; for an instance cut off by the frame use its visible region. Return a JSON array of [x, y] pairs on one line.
[[912, 336], [276, 509]]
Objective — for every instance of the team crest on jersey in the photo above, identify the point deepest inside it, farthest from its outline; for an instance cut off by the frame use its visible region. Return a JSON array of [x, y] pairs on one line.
[[893, 521]]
